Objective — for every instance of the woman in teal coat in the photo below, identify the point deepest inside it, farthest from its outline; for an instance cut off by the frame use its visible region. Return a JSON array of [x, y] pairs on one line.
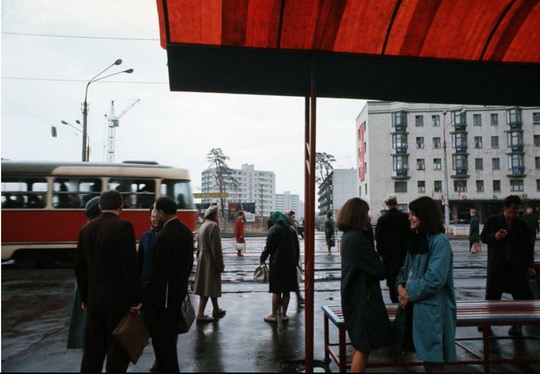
[[425, 286]]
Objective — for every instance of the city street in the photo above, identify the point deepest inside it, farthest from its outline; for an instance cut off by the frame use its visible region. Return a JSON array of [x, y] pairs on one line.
[[36, 306]]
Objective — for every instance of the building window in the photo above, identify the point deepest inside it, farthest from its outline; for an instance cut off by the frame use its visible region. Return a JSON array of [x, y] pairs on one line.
[[496, 186], [477, 120], [437, 142], [477, 142], [436, 120], [420, 142], [399, 118], [459, 140], [420, 164], [538, 185], [479, 163], [515, 161], [479, 186], [515, 140], [437, 186], [496, 163], [494, 142], [399, 141], [516, 185], [537, 162], [537, 140], [419, 121], [401, 163], [460, 186], [400, 186], [513, 115], [536, 118], [421, 186], [494, 119], [437, 164]]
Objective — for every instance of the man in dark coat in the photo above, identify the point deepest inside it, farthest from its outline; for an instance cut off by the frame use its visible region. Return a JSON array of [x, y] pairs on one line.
[[392, 234], [510, 254], [107, 275], [168, 286]]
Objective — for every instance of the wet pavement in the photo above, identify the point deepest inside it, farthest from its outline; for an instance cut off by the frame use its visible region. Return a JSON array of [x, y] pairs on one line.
[[36, 306]]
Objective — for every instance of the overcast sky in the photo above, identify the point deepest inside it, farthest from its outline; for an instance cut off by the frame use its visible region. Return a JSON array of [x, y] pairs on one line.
[[51, 49]]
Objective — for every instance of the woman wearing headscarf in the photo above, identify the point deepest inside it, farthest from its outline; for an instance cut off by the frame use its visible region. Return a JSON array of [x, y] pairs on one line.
[[425, 286], [284, 251], [364, 312], [209, 265]]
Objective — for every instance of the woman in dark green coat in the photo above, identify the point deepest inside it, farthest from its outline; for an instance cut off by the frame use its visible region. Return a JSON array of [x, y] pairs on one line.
[[364, 312]]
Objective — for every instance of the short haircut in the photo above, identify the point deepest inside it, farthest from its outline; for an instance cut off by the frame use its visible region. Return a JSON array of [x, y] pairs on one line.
[[511, 200], [166, 204], [427, 210], [353, 215], [390, 199], [110, 200], [240, 213], [329, 213]]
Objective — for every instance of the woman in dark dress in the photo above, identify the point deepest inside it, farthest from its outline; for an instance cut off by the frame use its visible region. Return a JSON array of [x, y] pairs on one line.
[[284, 250], [364, 312]]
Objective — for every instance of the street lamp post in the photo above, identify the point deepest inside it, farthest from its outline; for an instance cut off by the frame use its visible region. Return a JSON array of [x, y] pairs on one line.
[[85, 149]]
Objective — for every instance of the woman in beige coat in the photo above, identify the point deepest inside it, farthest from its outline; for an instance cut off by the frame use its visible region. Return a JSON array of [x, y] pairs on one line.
[[209, 265]]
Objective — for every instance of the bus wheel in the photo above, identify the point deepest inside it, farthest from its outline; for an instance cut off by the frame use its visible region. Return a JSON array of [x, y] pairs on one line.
[[25, 260]]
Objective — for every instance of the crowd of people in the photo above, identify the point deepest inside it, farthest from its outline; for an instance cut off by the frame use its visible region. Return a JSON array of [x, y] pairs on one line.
[[409, 250]]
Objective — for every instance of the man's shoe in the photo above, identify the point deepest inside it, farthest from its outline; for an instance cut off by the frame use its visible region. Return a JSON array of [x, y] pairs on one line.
[[515, 331], [490, 331]]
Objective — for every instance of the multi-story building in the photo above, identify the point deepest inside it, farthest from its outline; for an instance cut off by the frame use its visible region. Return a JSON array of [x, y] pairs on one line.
[[467, 155], [336, 189], [245, 185], [286, 201]]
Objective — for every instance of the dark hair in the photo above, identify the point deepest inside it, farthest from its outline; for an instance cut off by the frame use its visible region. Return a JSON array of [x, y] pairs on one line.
[[353, 215], [240, 213], [427, 210], [329, 213], [511, 200], [166, 204], [110, 200]]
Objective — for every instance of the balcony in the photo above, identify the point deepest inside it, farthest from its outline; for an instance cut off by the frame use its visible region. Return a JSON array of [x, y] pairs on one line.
[[461, 148], [516, 125], [401, 127], [401, 173], [517, 147], [461, 172], [517, 172], [460, 127], [401, 149]]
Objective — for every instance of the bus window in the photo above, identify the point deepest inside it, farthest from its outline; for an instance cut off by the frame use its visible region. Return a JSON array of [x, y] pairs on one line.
[[75, 192], [179, 191], [24, 193], [137, 193]]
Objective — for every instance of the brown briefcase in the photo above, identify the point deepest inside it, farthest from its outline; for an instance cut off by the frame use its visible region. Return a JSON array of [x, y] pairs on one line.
[[132, 335]]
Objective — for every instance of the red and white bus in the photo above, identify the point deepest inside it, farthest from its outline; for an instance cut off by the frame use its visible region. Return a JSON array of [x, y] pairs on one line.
[[43, 202]]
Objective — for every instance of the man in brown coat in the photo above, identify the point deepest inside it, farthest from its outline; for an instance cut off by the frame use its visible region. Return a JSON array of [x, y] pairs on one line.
[[107, 273], [163, 296]]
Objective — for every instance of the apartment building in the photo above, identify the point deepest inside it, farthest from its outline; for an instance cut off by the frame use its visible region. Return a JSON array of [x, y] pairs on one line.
[[467, 155], [336, 189], [245, 185]]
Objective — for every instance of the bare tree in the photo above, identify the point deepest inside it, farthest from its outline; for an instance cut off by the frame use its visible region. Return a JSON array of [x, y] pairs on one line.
[[221, 172], [323, 166]]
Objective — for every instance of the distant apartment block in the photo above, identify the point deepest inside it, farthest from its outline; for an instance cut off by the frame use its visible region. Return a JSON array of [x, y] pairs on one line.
[[286, 201], [245, 185], [467, 155], [336, 189]]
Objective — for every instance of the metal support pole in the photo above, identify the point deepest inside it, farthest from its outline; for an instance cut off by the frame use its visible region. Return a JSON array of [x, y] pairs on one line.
[[446, 189]]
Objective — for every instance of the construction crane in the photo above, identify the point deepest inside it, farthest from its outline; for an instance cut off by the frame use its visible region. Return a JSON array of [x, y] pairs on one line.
[[114, 122]]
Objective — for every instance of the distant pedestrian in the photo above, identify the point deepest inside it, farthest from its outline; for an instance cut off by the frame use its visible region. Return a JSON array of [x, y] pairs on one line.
[[282, 247], [532, 221], [239, 233], [210, 265], [292, 217], [108, 277], [392, 233], [425, 285], [171, 266], [364, 312], [329, 230], [510, 254], [475, 245]]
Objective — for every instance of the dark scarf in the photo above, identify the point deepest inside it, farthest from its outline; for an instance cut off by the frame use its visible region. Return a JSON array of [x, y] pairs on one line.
[[419, 243]]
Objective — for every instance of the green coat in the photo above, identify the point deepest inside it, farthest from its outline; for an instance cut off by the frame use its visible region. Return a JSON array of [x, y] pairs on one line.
[[429, 280]]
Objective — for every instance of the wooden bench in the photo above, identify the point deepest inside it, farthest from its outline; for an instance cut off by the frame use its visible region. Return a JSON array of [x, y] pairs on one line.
[[482, 314]]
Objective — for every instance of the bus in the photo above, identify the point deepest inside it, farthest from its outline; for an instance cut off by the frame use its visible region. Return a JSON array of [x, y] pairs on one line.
[[43, 202]]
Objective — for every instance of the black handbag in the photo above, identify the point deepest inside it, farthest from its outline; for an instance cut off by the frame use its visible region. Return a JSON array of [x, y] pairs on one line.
[[187, 316]]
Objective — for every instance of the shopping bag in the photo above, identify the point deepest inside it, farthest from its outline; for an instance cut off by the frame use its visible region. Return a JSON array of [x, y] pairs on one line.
[[239, 246], [132, 335], [187, 316], [261, 274]]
